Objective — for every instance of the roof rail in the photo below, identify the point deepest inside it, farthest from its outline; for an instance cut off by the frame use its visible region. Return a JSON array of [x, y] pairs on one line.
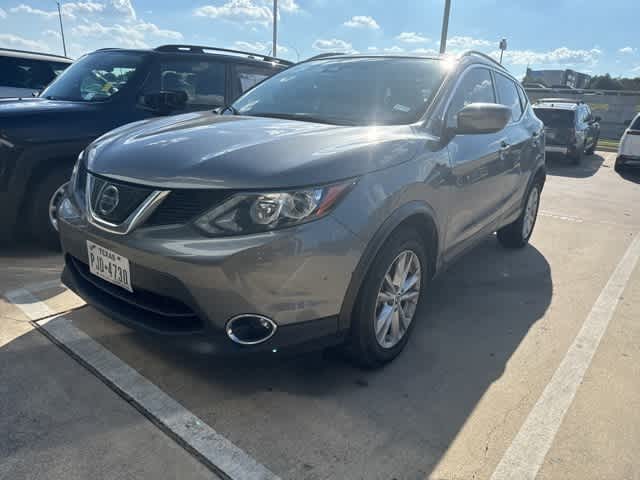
[[324, 55], [485, 56], [34, 53], [560, 100], [204, 49]]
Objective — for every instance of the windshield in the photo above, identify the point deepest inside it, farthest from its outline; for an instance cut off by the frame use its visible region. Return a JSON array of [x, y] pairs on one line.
[[349, 91], [555, 118], [28, 73], [96, 77]]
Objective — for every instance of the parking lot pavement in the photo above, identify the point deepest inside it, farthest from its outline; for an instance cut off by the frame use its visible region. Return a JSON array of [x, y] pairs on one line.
[[485, 352]]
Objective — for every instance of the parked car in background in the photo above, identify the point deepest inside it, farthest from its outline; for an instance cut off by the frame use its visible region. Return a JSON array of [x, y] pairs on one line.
[[570, 127], [314, 210], [40, 138], [24, 73], [629, 148]]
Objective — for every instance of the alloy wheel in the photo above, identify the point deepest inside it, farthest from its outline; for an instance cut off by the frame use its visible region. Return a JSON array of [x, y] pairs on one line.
[[530, 213], [397, 299]]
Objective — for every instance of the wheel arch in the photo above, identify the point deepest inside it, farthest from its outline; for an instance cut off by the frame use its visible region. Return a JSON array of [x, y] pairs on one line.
[[418, 215]]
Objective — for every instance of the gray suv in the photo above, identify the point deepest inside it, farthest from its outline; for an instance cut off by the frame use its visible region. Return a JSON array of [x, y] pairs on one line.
[[313, 211]]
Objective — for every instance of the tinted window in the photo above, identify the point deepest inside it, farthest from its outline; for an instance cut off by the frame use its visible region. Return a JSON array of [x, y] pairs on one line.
[[28, 73], [350, 91], [96, 77], [508, 94], [523, 98], [636, 124], [246, 76], [476, 86], [555, 118], [202, 80]]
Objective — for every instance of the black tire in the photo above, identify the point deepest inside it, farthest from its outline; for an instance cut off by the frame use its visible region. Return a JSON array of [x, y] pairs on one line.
[[40, 227], [576, 157], [512, 235], [618, 166], [593, 147], [362, 346]]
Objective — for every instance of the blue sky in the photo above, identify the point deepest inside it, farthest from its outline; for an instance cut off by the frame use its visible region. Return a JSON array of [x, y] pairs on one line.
[[587, 35]]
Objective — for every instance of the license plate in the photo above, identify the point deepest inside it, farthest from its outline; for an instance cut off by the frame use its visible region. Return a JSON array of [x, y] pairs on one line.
[[109, 266]]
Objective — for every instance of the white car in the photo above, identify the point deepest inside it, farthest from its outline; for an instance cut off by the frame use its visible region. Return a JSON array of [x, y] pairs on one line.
[[24, 73], [629, 149]]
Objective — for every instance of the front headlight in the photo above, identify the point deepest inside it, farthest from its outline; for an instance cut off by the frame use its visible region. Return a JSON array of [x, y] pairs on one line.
[[247, 213]]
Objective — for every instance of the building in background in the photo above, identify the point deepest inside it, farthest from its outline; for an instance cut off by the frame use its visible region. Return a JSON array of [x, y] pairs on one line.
[[558, 78]]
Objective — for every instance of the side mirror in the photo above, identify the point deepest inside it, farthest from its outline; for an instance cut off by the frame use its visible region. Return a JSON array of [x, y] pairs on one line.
[[597, 118], [482, 118], [166, 101]]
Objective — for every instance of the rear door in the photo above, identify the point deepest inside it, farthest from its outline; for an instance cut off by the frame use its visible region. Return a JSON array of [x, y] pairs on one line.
[[477, 165], [519, 139], [558, 124], [630, 144]]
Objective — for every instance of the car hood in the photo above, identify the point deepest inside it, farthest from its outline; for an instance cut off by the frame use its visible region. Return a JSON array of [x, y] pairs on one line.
[[11, 107], [205, 150]]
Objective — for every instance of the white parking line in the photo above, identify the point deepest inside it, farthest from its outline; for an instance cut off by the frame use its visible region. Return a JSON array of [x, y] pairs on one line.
[[198, 437], [527, 452]]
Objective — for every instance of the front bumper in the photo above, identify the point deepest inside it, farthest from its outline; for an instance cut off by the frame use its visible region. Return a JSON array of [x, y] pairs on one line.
[[186, 286], [628, 160]]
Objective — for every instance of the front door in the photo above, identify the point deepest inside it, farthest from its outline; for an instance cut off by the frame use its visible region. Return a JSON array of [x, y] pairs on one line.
[[478, 164]]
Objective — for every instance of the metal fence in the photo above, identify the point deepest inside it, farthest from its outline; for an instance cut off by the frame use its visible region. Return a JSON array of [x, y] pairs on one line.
[[616, 107]]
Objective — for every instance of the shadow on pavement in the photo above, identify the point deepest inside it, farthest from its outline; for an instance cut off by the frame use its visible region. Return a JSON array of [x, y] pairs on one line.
[[559, 165], [316, 416]]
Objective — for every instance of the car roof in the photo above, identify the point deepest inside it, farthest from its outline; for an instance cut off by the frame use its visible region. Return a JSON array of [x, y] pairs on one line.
[[8, 52], [466, 58], [242, 56]]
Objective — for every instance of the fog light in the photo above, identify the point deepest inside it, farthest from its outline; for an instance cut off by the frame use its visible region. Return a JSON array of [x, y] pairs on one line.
[[68, 210]]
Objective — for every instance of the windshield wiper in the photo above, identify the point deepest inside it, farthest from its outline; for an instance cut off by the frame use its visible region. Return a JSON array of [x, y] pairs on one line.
[[305, 117]]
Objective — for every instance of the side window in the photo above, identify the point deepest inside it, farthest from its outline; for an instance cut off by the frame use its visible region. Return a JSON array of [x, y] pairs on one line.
[[587, 113], [246, 76], [202, 80], [524, 100], [476, 86], [508, 94], [25, 73]]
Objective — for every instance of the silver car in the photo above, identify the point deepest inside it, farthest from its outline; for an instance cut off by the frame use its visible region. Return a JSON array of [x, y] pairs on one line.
[[313, 211]]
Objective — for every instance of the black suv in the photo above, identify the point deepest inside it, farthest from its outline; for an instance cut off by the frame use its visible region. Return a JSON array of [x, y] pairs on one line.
[[40, 138], [570, 127]]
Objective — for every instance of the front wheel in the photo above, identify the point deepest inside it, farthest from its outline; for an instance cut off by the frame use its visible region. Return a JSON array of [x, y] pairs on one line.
[[389, 299], [593, 147], [43, 213], [518, 233]]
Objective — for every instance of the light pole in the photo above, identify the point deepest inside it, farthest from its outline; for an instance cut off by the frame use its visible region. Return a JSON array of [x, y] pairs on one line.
[[275, 27], [445, 26], [503, 47], [64, 45]]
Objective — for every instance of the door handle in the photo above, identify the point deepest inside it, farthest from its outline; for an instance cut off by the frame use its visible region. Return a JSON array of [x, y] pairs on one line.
[[504, 145]]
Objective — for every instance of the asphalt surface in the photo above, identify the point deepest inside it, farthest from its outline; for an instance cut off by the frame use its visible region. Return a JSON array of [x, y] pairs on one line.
[[497, 326]]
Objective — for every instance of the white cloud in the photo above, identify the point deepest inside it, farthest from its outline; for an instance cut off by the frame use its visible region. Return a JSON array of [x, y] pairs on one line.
[[373, 49], [468, 43], [426, 51], [362, 21], [288, 6], [412, 37], [14, 41], [627, 50], [636, 69], [258, 47], [332, 45], [560, 56], [3, 14], [51, 33], [246, 11], [124, 7], [128, 35], [69, 9], [394, 49]]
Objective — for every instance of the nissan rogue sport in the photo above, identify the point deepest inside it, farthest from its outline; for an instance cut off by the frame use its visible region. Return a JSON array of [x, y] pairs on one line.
[[314, 210]]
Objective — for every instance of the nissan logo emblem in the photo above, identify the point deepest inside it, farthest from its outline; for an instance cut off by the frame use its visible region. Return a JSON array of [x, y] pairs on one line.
[[108, 201]]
